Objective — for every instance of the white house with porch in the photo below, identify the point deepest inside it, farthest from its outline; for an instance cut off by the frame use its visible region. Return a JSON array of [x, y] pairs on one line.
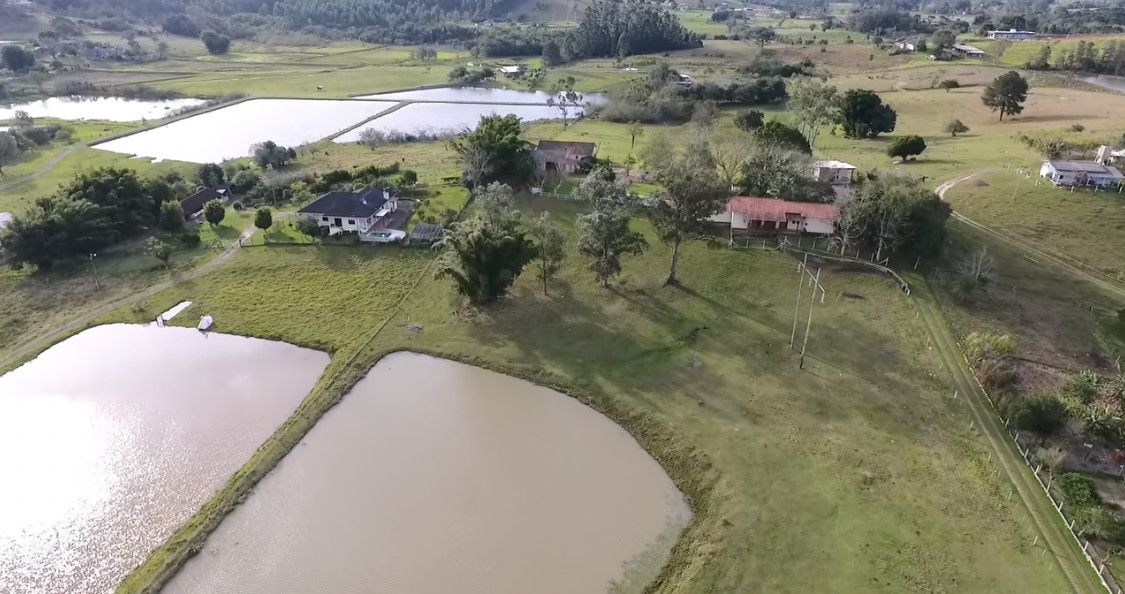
[[1080, 173], [362, 212]]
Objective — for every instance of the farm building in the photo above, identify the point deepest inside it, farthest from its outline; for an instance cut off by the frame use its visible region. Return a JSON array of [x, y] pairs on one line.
[[833, 172], [770, 216], [511, 71], [906, 45], [193, 204], [1079, 173], [1107, 156], [361, 212], [563, 157], [968, 50], [1012, 35]]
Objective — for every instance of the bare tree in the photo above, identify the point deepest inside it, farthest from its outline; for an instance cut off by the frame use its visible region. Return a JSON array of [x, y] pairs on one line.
[[815, 105], [976, 270], [477, 163], [849, 223], [730, 150]]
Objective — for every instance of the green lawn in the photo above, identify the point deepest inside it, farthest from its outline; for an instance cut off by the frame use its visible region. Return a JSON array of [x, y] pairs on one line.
[[855, 474], [20, 194]]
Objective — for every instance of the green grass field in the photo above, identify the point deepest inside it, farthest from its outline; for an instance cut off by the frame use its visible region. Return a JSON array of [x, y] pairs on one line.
[[1084, 225], [856, 474]]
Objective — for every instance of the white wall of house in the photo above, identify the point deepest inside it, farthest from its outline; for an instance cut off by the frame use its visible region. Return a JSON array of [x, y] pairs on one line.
[[1070, 178], [819, 226], [357, 224]]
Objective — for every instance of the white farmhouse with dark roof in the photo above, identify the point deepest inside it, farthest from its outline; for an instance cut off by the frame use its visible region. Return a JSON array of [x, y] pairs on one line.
[[361, 212], [1080, 173]]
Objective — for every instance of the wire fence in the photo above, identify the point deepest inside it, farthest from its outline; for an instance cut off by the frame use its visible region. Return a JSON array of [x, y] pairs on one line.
[[823, 248]]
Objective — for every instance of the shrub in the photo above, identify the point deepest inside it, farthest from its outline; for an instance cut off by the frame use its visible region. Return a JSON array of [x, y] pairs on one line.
[[189, 239], [1082, 386], [171, 216], [1078, 490], [984, 346], [949, 83], [1042, 413]]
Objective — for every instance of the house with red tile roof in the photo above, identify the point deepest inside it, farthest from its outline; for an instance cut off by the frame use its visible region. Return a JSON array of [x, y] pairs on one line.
[[772, 216]]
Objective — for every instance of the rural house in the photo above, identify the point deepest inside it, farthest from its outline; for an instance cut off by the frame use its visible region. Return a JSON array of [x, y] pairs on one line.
[[563, 157], [1012, 35], [1078, 173], [361, 212], [193, 204], [968, 50], [772, 216], [837, 173], [511, 71]]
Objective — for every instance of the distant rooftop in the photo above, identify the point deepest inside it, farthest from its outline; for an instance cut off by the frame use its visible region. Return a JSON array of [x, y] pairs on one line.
[[834, 165], [1085, 167]]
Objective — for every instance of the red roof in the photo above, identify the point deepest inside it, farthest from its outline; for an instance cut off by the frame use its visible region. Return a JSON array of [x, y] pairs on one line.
[[776, 209]]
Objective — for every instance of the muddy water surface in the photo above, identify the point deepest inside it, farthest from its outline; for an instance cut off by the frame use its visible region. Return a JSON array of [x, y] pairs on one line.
[[113, 438], [432, 476]]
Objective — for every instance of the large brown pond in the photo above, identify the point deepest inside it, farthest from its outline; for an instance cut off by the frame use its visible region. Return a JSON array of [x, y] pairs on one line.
[[432, 476], [113, 438]]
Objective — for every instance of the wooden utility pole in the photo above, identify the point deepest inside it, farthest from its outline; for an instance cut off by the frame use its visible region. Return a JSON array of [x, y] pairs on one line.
[[808, 325], [814, 283]]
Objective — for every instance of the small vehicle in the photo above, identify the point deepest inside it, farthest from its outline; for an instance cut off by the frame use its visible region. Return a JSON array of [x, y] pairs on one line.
[[387, 236]]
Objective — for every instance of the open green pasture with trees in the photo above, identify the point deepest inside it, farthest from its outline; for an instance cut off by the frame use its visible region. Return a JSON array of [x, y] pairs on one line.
[[855, 473]]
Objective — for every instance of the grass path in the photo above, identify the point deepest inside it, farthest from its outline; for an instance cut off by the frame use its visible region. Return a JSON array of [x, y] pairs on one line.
[[45, 169], [23, 349], [1093, 277], [1055, 536]]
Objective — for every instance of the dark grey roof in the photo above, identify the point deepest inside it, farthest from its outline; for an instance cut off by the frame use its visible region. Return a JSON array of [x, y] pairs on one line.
[[348, 204], [194, 203], [1083, 167]]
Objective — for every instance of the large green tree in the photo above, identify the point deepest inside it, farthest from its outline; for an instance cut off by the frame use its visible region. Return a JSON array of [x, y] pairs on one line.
[[905, 147], [692, 192], [550, 247], [16, 58], [9, 150], [863, 114], [780, 135], [620, 28], [124, 197], [1006, 94], [605, 238], [815, 104], [896, 215], [495, 151], [484, 255], [56, 229]]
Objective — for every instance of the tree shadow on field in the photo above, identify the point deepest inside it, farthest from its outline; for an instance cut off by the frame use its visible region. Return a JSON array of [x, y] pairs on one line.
[[636, 347]]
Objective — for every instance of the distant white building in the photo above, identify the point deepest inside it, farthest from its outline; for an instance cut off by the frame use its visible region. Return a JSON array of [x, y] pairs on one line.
[[1080, 173], [908, 46], [1012, 35], [511, 71]]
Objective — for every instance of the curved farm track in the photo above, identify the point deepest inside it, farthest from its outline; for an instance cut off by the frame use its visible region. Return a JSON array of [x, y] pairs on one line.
[[1028, 247]]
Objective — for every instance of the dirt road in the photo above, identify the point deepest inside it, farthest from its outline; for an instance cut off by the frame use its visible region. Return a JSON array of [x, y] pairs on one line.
[[1055, 536], [1091, 276]]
